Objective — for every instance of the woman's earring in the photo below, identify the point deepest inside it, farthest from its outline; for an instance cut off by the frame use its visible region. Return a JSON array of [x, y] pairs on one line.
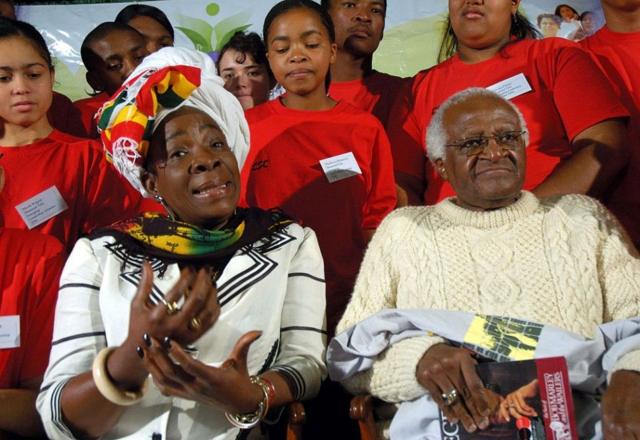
[[158, 198]]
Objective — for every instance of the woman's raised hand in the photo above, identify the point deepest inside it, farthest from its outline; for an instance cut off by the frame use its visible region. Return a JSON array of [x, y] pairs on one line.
[[449, 375], [176, 373], [164, 320]]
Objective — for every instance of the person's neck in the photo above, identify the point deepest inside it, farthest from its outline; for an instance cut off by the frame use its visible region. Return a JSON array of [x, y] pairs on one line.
[[622, 21], [472, 55], [314, 101], [349, 67], [18, 136]]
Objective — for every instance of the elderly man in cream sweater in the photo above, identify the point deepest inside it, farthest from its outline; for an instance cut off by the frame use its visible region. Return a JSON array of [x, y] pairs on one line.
[[494, 249]]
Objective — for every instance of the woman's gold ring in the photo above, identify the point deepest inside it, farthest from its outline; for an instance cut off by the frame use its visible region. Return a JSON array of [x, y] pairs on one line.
[[450, 397], [171, 307], [194, 324]]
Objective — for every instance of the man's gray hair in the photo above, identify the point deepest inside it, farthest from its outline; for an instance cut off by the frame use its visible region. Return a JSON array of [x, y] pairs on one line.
[[437, 133]]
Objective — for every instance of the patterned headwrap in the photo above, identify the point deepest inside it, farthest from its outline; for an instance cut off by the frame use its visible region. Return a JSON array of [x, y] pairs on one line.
[[165, 81]]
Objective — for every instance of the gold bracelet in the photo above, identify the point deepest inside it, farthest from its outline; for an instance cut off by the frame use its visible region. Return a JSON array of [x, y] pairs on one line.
[[107, 388], [249, 420]]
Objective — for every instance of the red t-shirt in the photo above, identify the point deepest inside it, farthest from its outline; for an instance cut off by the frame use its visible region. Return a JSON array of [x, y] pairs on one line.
[[88, 107], [569, 94], [94, 193], [65, 117], [373, 94], [30, 266], [286, 173], [619, 56]]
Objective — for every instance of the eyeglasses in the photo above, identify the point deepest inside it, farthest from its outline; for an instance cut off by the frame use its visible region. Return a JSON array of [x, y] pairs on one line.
[[508, 140]]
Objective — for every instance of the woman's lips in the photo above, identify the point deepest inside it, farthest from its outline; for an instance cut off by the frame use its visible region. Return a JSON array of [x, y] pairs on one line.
[[212, 190], [24, 106], [299, 73]]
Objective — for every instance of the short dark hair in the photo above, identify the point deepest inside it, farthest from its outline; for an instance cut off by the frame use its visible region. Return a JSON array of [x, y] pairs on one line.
[[98, 33], [247, 43], [521, 29], [553, 17], [327, 3], [130, 12], [288, 5], [16, 28], [564, 5]]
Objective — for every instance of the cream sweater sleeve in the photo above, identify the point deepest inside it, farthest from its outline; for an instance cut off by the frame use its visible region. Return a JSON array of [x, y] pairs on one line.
[[393, 376], [619, 278]]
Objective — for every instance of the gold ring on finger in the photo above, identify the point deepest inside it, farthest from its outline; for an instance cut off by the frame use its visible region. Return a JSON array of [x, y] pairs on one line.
[[194, 324], [171, 307], [450, 397]]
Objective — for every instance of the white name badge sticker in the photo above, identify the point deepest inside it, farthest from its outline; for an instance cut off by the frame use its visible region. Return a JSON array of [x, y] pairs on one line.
[[340, 167], [41, 207], [512, 87], [9, 331]]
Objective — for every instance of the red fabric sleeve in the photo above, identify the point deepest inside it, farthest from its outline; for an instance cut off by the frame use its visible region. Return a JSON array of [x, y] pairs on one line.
[[42, 293], [571, 71], [406, 133], [381, 199]]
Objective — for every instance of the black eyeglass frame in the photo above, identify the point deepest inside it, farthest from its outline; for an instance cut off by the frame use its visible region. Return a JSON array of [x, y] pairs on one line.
[[470, 150]]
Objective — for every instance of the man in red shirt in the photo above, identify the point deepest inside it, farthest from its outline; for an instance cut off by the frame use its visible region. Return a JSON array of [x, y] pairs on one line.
[[617, 48], [30, 265], [359, 29]]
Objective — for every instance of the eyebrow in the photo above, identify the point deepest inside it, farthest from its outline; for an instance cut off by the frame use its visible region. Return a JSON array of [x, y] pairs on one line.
[[179, 133], [24, 66], [250, 66], [304, 35]]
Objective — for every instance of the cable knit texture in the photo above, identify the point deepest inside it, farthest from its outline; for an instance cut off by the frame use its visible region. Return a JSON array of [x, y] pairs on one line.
[[562, 261]]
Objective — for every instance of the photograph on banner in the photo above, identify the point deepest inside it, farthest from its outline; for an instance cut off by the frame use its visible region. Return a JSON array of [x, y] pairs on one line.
[[413, 31]]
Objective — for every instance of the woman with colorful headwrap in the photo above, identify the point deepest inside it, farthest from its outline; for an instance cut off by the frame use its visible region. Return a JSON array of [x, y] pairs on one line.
[[196, 324]]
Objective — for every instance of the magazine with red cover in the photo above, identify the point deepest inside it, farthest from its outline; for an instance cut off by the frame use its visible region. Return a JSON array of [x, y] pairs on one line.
[[542, 384]]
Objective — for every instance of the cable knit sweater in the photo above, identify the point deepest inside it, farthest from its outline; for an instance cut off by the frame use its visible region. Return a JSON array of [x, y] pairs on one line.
[[561, 261]]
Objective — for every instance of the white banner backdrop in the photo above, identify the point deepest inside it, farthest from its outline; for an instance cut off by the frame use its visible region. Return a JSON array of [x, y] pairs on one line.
[[412, 36]]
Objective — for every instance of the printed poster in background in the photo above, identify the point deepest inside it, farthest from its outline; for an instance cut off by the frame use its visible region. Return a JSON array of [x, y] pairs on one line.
[[412, 37]]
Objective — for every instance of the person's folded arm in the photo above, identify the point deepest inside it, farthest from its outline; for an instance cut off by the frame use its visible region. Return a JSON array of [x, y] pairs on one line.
[[599, 154]]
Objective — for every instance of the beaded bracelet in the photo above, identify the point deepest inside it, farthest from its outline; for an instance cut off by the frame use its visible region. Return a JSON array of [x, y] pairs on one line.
[[107, 388], [249, 420]]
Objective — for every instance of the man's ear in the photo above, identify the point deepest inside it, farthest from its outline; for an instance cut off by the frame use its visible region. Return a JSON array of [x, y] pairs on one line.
[[334, 51], [94, 81], [442, 171], [150, 182]]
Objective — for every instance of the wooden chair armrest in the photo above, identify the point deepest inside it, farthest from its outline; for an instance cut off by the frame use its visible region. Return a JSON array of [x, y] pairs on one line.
[[297, 417], [361, 410]]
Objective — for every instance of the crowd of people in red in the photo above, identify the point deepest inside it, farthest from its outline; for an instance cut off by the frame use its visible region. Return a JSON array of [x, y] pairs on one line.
[[332, 142]]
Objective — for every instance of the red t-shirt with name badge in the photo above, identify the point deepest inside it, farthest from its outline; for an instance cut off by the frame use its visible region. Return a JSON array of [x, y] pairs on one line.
[[30, 266], [286, 172], [77, 170], [568, 95]]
